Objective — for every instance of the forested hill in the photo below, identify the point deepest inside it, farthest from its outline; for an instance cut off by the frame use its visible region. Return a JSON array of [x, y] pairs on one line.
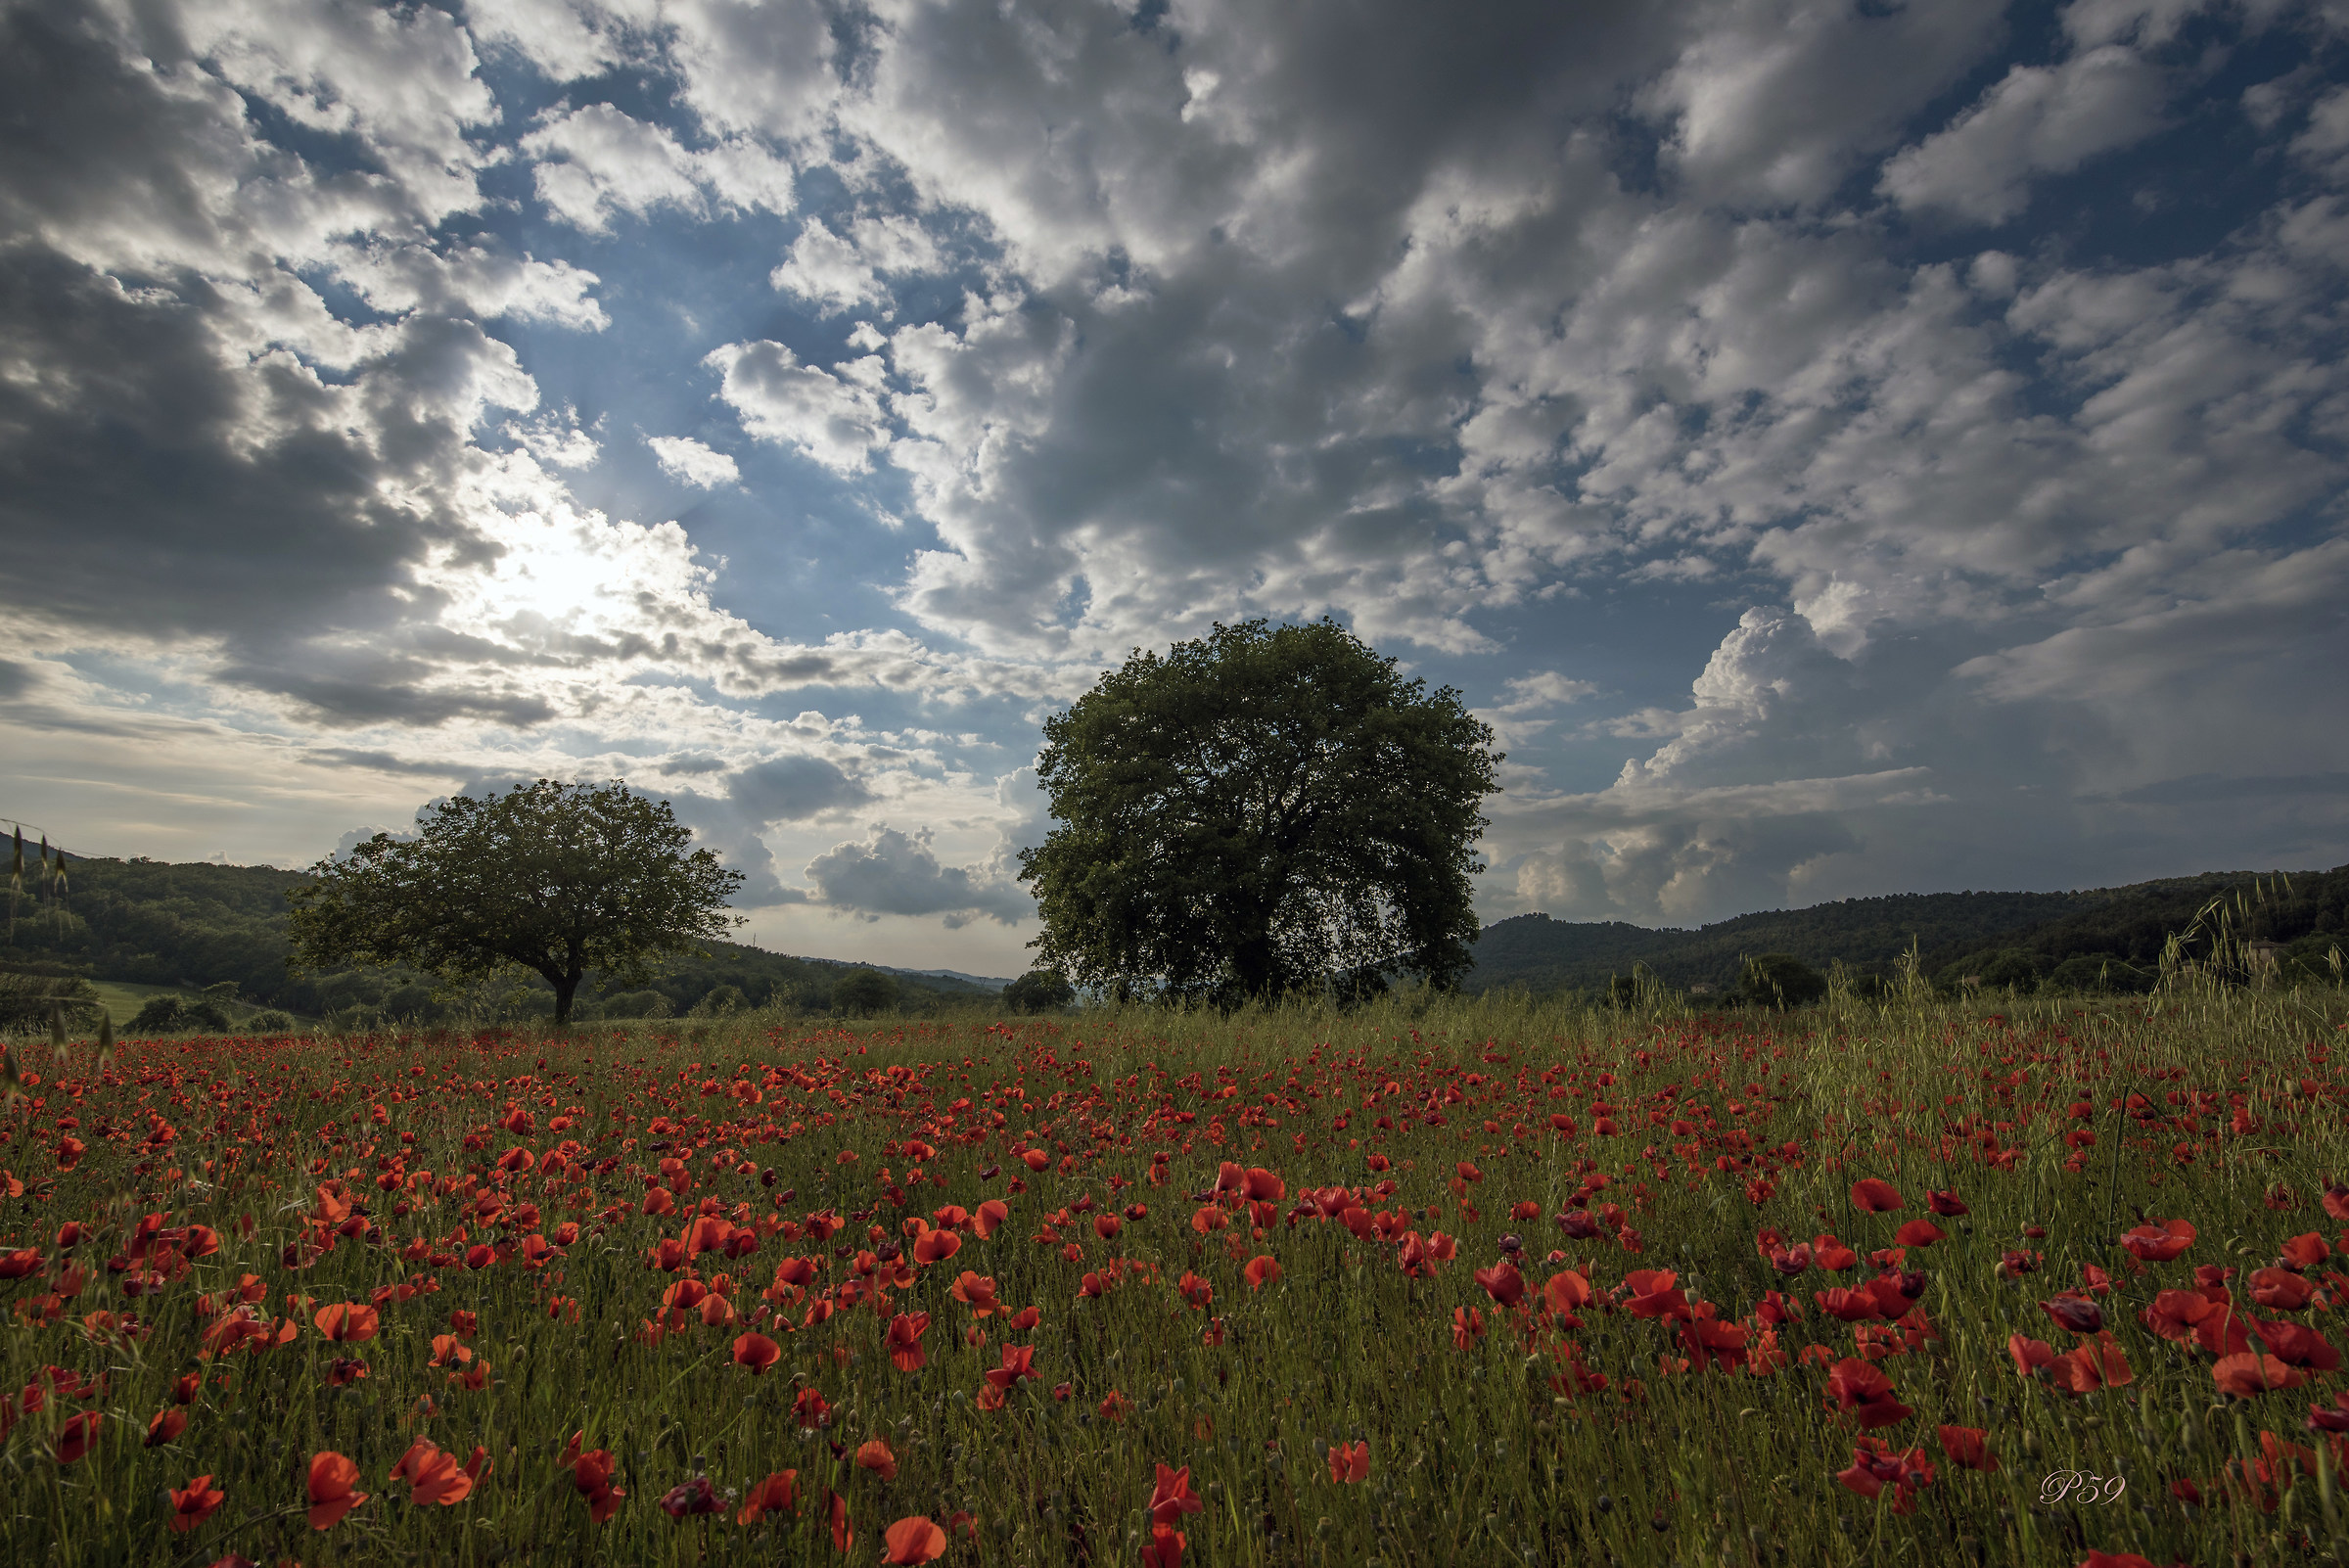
[[2306, 912], [196, 925]]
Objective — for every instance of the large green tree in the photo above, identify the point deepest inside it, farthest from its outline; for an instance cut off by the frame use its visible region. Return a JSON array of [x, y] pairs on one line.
[[1265, 811], [564, 879]]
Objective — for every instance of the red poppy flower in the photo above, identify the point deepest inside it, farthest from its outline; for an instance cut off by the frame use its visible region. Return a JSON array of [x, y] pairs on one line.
[[2030, 1354], [1919, 1234], [1946, 1204], [1655, 1293], [193, 1503], [166, 1427], [332, 1480], [877, 1456], [1018, 1362], [1851, 1306], [1875, 1465], [1566, 1291], [905, 1331], [757, 1352], [809, 1408], [1874, 1196], [1859, 1390], [1163, 1548], [436, 1477], [2160, 1240], [1262, 1272], [2099, 1364], [348, 1323], [1969, 1445], [843, 1534], [1172, 1495], [696, 1496], [914, 1540], [1350, 1463], [2246, 1374], [2295, 1346], [936, 1245], [777, 1494], [1832, 1255], [987, 1216], [591, 1475], [1467, 1327], [1502, 1282], [2075, 1312], [75, 1438], [2281, 1290]]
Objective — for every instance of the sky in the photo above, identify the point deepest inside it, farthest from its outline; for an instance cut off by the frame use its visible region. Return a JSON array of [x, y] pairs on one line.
[[1842, 449]]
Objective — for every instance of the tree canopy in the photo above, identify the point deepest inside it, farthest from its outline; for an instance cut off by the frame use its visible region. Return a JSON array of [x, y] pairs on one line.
[[1264, 810], [560, 879]]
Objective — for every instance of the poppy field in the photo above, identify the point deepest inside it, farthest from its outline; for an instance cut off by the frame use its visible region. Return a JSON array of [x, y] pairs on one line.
[[1479, 1281]]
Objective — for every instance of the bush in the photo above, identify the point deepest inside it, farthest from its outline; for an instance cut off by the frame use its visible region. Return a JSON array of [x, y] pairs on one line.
[[1780, 979], [1039, 990], [173, 1015], [720, 1001], [634, 1004], [861, 992], [27, 1000], [270, 1021]]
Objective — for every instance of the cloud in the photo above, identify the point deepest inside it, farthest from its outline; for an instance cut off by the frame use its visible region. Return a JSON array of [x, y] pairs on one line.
[[2036, 120], [593, 162], [897, 873], [794, 788], [688, 461], [842, 271], [835, 419]]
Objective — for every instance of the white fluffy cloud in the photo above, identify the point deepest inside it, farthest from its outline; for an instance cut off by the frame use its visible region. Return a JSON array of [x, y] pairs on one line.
[[835, 418], [689, 462]]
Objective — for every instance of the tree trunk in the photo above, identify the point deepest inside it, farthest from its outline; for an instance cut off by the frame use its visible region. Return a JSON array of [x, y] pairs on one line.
[[566, 988]]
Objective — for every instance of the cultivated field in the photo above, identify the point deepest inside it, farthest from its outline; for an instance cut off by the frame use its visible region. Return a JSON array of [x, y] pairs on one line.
[[1475, 1282]]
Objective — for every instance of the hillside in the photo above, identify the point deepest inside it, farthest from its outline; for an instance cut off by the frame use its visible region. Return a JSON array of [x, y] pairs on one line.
[[2028, 936], [186, 926]]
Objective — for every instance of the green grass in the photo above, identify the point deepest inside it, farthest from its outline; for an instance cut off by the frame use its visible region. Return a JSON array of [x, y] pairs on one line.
[[1476, 1455]]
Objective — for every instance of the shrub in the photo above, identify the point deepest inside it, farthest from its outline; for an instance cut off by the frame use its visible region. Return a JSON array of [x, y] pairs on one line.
[[720, 1003], [270, 1021], [1780, 979], [634, 1004], [863, 992], [27, 1000], [173, 1015], [1039, 990]]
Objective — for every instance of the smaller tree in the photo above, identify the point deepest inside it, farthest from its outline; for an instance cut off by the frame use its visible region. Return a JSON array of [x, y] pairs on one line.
[[562, 879], [1780, 979], [1039, 990], [861, 992]]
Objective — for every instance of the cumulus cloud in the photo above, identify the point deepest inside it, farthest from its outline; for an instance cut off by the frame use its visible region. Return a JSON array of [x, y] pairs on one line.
[[897, 873], [593, 162], [835, 419], [688, 461]]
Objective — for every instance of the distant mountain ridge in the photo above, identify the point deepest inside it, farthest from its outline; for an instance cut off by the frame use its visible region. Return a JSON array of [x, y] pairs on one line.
[[2300, 911]]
